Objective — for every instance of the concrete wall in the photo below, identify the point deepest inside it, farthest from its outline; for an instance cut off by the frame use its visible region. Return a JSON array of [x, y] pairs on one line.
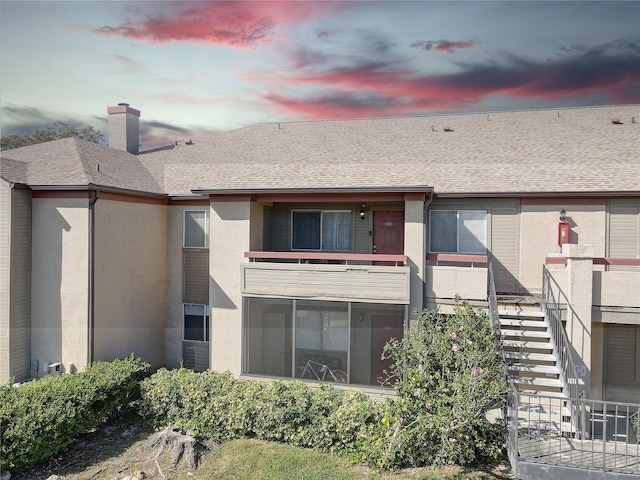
[[59, 282], [230, 237], [130, 278]]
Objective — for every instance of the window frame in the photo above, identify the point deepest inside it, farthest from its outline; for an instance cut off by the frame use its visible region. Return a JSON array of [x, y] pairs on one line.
[[206, 227], [205, 319], [458, 211], [322, 213]]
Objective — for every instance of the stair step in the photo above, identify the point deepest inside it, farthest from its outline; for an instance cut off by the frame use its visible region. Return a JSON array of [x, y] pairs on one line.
[[524, 344], [516, 322], [520, 313], [536, 381], [543, 369], [535, 357], [564, 427], [535, 410], [541, 393], [524, 333]]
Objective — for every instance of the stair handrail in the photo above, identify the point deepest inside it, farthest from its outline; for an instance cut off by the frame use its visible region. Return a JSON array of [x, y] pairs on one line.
[[561, 345], [495, 318], [510, 410]]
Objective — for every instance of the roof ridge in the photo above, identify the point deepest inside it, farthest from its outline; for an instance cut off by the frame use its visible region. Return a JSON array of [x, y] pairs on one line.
[[84, 161]]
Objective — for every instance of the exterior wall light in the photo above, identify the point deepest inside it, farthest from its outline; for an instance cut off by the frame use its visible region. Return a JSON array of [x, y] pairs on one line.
[[563, 215], [362, 207]]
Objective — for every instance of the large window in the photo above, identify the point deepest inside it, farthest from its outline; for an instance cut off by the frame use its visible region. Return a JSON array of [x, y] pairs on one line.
[[196, 227], [319, 340], [196, 322], [458, 231], [328, 230]]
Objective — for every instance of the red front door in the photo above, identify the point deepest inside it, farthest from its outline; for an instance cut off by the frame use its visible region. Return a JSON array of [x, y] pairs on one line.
[[388, 234]]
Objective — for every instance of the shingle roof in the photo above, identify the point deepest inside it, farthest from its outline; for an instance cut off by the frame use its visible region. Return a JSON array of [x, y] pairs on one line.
[[73, 162], [567, 150], [577, 150]]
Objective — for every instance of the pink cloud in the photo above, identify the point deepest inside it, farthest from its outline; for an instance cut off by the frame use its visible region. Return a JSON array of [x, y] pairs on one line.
[[606, 73], [229, 23], [442, 45]]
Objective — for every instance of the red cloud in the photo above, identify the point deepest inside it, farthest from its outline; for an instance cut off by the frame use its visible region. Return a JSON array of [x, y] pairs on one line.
[[229, 23]]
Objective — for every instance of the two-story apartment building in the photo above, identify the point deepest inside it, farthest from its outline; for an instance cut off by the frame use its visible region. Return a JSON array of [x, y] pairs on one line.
[[258, 249]]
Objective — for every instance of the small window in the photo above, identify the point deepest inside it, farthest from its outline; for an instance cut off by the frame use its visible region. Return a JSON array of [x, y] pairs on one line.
[[458, 231], [325, 230], [196, 322], [196, 227]]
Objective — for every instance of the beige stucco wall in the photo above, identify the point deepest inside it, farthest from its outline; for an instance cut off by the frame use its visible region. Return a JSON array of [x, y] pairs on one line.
[[230, 237], [414, 249], [621, 289], [59, 283], [445, 282], [539, 235], [130, 280]]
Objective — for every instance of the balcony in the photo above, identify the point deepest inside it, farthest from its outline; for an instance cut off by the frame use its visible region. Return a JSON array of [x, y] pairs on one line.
[[327, 276], [450, 275], [615, 287]]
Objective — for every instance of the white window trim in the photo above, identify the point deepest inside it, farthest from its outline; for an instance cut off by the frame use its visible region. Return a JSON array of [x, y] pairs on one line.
[[206, 227], [207, 314], [322, 212], [458, 210]]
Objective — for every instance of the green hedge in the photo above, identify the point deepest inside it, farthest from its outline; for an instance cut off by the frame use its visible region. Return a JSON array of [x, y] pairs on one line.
[[219, 406], [40, 418]]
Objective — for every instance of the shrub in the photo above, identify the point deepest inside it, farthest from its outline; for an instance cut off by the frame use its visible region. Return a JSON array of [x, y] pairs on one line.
[[220, 407], [449, 376], [40, 418]]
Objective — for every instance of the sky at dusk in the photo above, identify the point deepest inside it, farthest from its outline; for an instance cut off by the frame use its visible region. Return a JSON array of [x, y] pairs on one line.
[[191, 66]]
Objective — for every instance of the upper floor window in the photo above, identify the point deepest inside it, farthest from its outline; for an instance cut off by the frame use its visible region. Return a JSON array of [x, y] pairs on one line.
[[458, 231], [196, 228], [328, 230]]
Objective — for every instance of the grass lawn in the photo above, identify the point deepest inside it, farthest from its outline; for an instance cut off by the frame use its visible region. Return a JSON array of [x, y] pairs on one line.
[[250, 459], [121, 450]]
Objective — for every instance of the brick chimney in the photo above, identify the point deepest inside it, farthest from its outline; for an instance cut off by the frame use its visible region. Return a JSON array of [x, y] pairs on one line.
[[124, 128]]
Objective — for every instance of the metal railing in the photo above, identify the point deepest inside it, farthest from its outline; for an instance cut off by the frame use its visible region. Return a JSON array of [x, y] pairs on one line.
[[512, 439], [539, 432], [561, 345], [303, 257]]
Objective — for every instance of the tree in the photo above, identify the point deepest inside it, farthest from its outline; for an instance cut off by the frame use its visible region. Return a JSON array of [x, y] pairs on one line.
[[53, 131], [448, 374]]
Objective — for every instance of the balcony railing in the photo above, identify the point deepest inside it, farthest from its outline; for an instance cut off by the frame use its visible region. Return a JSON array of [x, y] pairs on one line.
[[611, 287], [327, 276], [318, 257], [543, 445], [451, 274]]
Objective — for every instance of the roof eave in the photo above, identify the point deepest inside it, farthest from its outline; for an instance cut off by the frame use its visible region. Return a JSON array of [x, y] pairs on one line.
[[600, 193], [92, 186], [257, 191]]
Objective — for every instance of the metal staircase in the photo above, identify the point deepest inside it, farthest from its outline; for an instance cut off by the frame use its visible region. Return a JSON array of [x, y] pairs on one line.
[[553, 431], [533, 369]]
